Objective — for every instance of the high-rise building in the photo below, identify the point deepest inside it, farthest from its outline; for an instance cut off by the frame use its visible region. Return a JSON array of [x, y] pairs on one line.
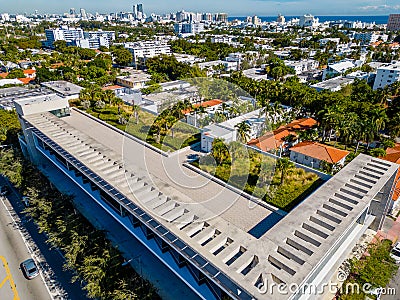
[[138, 11], [280, 19], [72, 11], [140, 8], [83, 14], [308, 21], [221, 17], [207, 17], [393, 22]]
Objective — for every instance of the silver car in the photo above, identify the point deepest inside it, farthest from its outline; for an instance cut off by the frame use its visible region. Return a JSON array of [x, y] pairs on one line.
[[30, 269]]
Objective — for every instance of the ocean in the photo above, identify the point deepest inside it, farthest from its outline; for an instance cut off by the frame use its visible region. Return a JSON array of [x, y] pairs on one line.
[[366, 19]]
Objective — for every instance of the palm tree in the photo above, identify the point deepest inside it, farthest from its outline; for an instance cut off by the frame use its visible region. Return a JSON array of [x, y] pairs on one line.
[[243, 129], [285, 166], [348, 128], [219, 151], [109, 95], [136, 110], [169, 123]]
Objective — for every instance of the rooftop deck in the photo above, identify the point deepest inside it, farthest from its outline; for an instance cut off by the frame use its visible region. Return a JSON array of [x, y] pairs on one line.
[[214, 220]]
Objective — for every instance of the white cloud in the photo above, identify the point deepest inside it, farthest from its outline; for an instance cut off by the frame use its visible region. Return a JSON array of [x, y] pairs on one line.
[[382, 7]]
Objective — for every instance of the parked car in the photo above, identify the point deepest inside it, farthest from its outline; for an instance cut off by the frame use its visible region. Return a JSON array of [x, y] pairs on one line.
[[395, 253], [25, 201], [4, 190], [193, 157], [29, 268]]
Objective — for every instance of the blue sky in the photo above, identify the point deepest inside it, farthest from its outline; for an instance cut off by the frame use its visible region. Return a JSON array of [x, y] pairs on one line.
[[233, 7]]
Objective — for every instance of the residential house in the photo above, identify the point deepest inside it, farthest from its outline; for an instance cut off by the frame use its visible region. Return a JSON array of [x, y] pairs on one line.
[[227, 130], [313, 154], [393, 155], [333, 84], [277, 139], [302, 65], [134, 81], [337, 69]]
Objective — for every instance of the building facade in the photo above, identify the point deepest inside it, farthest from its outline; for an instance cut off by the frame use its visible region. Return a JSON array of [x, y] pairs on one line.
[[141, 51], [393, 22], [235, 253], [386, 75]]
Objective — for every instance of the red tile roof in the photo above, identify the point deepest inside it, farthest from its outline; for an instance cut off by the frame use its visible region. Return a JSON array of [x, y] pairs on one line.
[[320, 151], [266, 142], [204, 104], [25, 80], [393, 155], [29, 71], [112, 87], [274, 140]]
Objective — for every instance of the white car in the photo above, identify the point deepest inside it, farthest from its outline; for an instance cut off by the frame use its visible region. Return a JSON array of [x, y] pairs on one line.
[[395, 253]]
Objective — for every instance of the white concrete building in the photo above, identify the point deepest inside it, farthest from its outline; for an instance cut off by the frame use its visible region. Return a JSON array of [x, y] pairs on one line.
[[370, 37], [109, 35], [63, 33], [136, 80], [325, 41], [338, 68], [64, 89], [227, 131], [212, 66], [302, 65], [189, 28], [308, 20], [143, 50], [386, 75], [333, 84]]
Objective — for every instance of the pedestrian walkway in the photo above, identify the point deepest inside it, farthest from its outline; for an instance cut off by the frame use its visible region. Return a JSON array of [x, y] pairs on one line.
[[391, 232]]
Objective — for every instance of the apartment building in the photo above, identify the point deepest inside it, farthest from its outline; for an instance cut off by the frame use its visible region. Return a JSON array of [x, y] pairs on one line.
[[141, 51], [302, 65], [393, 22], [386, 75], [370, 37]]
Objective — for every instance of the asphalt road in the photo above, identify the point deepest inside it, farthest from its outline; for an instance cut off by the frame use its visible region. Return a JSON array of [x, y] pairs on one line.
[[392, 291], [20, 240]]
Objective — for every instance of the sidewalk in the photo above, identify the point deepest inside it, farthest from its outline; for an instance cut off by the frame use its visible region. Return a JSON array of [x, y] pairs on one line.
[[391, 232]]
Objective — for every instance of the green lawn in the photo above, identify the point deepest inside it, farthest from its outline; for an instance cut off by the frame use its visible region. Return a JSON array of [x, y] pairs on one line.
[[184, 134], [244, 173]]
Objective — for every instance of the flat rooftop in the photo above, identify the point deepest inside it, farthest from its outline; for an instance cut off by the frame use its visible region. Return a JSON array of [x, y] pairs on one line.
[[8, 95], [62, 87], [137, 76], [206, 216], [37, 99], [333, 83]]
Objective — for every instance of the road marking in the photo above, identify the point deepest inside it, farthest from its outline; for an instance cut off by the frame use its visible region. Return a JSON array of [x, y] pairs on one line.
[[9, 278], [27, 246]]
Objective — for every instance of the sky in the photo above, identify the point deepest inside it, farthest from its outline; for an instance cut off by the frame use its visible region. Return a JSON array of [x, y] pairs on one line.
[[232, 7]]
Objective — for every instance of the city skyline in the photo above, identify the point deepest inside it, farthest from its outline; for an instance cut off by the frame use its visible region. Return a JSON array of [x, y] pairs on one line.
[[233, 7]]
